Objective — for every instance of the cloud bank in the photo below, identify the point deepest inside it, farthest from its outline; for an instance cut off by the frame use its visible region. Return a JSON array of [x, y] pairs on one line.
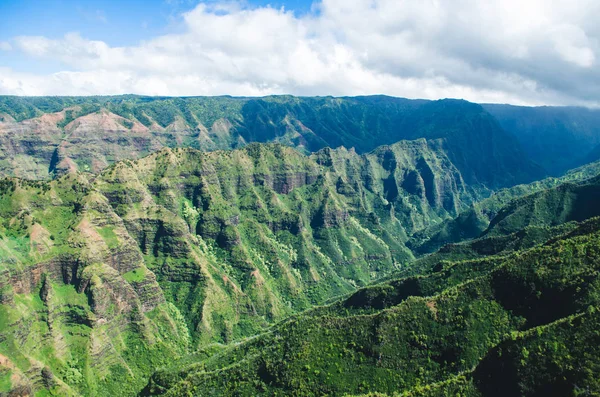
[[522, 52]]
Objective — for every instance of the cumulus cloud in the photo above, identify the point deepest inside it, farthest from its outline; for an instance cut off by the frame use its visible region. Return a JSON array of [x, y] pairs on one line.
[[516, 51]]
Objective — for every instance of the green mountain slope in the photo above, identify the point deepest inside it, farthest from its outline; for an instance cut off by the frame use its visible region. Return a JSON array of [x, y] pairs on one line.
[[558, 138], [47, 136], [436, 339], [117, 273], [565, 203], [474, 222]]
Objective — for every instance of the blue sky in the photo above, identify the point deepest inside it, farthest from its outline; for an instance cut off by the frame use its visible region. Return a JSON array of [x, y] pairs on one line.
[[117, 22], [511, 51]]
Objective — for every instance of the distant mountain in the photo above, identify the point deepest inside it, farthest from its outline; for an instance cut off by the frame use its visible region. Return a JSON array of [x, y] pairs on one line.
[[45, 136], [593, 156], [557, 138]]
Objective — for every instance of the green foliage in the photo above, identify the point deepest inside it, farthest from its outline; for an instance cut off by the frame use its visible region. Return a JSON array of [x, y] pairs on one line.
[[109, 236], [473, 141], [135, 276], [440, 341], [212, 265], [72, 373], [5, 382], [561, 358]]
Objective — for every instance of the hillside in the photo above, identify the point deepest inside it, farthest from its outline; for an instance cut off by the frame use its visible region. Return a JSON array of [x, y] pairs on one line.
[[474, 221], [557, 138], [45, 136], [565, 203], [515, 325], [117, 273]]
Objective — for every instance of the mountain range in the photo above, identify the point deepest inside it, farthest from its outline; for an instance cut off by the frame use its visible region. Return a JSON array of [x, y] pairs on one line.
[[297, 246]]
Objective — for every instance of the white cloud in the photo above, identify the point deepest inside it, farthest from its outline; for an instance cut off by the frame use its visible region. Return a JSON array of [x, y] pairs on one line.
[[573, 45], [525, 51]]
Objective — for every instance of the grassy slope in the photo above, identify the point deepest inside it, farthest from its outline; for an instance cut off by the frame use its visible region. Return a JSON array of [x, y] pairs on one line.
[[117, 273], [448, 339]]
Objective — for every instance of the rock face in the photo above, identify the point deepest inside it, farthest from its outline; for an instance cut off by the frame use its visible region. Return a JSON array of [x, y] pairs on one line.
[[183, 248], [45, 137], [75, 309]]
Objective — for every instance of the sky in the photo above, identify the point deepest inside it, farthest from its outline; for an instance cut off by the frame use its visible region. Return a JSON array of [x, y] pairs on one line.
[[527, 52]]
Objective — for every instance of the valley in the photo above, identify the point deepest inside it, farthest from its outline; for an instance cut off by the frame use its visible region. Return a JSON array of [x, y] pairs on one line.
[[295, 246]]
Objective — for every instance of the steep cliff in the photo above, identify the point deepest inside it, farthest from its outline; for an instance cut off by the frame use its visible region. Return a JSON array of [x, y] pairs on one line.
[[45, 136], [114, 274]]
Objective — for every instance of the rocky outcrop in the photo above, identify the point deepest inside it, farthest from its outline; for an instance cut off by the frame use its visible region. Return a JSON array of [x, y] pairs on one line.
[[284, 183], [64, 269]]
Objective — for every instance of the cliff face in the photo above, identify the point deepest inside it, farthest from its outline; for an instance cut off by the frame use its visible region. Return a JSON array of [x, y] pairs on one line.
[[111, 268], [45, 137], [74, 319], [414, 180], [117, 273]]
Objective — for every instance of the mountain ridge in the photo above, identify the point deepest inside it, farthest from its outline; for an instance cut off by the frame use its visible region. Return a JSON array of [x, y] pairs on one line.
[[91, 133], [140, 253], [199, 247]]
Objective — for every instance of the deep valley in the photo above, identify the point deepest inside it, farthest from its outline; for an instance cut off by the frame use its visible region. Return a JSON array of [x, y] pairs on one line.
[[297, 246]]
